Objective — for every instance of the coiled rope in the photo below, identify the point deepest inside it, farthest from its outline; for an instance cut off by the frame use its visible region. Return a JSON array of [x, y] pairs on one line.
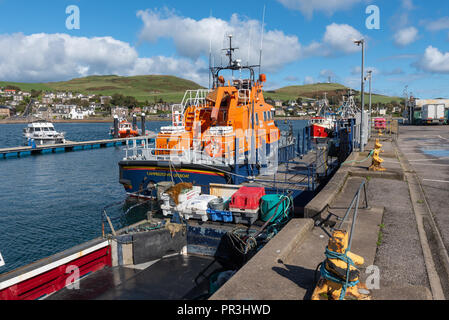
[[331, 277]]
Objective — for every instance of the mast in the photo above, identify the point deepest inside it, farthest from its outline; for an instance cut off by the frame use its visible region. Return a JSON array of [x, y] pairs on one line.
[[261, 41]]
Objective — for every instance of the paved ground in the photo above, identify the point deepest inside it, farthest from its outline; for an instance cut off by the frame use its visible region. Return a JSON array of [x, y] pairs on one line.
[[387, 236], [427, 150]]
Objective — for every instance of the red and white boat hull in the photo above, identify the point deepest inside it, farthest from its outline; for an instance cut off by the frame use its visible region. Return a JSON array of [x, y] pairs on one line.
[[322, 127]]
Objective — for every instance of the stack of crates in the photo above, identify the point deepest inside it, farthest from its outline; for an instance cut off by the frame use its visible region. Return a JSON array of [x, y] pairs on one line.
[[221, 215], [245, 204]]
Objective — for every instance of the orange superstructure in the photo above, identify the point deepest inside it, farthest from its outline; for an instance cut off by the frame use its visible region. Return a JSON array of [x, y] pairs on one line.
[[210, 121]]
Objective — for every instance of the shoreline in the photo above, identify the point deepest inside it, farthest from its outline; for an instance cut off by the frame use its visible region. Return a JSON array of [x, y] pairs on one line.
[[111, 120], [99, 120], [147, 119]]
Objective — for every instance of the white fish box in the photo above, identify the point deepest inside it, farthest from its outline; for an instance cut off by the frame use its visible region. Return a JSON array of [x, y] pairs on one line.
[[196, 208], [196, 216], [189, 195]]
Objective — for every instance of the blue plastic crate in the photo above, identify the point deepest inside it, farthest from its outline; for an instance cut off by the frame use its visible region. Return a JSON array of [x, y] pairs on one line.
[[220, 216]]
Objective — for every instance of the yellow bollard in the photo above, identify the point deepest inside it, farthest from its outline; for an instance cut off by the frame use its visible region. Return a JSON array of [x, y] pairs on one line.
[[377, 160], [327, 289]]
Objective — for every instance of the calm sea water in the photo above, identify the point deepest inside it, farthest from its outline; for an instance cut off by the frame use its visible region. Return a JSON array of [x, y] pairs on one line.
[[50, 203]]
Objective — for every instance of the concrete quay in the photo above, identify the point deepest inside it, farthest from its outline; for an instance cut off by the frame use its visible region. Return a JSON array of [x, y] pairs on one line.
[[403, 232]]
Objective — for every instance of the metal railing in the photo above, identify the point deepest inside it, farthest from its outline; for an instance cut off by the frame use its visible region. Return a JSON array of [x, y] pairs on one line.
[[244, 96], [195, 97], [389, 130], [147, 150], [354, 206]]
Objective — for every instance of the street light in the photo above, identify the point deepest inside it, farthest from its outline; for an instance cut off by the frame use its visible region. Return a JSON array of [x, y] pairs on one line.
[[362, 43], [369, 76]]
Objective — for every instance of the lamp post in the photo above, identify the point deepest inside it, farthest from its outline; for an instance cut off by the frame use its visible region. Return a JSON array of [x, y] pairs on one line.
[[362, 43], [369, 77]]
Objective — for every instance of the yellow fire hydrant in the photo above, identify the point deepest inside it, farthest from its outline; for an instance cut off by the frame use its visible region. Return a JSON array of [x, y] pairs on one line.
[[339, 276], [377, 160]]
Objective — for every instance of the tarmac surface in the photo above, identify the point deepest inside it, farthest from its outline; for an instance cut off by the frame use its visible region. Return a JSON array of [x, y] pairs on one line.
[[427, 150], [389, 234]]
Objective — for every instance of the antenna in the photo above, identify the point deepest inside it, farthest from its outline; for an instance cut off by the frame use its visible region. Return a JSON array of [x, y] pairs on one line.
[[249, 48], [261, 41], [210, 53]]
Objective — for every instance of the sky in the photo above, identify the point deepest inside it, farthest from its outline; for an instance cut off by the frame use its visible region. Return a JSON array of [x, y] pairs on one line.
[[303, 41]]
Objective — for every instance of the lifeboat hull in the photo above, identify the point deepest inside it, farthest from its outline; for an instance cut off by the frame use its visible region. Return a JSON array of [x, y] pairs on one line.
[[140, 176]]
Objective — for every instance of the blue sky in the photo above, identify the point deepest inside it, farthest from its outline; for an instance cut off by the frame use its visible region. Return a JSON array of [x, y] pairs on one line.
[[305, 41]]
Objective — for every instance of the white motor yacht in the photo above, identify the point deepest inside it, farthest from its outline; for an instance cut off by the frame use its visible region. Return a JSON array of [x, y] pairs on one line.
[[43, 133]]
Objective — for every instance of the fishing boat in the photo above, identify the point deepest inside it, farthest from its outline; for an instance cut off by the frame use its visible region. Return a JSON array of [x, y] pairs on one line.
[[324, 123], [125, 130], [321, 127], [42, 132], [226, 134]]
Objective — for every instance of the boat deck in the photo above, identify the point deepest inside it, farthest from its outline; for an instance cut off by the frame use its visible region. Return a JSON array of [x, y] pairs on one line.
[[295, 175], [171, 278], [291, 176]]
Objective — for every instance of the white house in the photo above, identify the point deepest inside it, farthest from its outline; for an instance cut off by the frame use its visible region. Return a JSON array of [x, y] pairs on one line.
[[76, 114]]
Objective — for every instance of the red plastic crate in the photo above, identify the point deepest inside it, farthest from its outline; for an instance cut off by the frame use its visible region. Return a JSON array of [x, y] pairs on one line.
[[247, 198]]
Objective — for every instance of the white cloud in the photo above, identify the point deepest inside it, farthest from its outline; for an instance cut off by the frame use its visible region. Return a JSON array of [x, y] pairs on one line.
[[329, 7], [434, 61], [436, 25], [341, 37], [309, 80], [356, 71], [408, 4], [54, 57], [406, 36], [326, 74], [338, 39], [192, 38]]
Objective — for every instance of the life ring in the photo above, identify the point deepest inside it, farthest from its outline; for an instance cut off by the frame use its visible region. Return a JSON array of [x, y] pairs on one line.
[[213, 148]]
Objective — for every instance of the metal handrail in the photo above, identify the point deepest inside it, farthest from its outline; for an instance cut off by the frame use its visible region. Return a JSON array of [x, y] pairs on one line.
[[356, 201]]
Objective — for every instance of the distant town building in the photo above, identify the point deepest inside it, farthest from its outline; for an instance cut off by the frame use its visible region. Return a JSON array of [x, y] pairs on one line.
[[5, 111], [44, 112], [136, 111], [278, 103], [279, 113], [105, 99], [121, 112]]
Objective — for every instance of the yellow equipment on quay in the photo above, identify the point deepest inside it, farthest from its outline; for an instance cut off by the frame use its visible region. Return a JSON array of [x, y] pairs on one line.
[[377, 160]]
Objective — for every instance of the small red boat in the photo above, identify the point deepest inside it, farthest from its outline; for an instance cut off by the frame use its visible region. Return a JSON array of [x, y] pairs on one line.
[[125, 130], [321, 127]]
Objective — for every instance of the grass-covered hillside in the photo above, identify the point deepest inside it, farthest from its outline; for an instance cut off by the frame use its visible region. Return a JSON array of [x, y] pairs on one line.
[[334, 92], [151, 88]]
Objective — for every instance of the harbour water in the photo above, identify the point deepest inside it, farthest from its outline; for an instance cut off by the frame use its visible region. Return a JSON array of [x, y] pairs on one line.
[[50, 203]]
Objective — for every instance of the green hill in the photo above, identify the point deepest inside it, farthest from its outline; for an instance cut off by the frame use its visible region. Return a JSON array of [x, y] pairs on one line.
[[151, 88], [334, 92]]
